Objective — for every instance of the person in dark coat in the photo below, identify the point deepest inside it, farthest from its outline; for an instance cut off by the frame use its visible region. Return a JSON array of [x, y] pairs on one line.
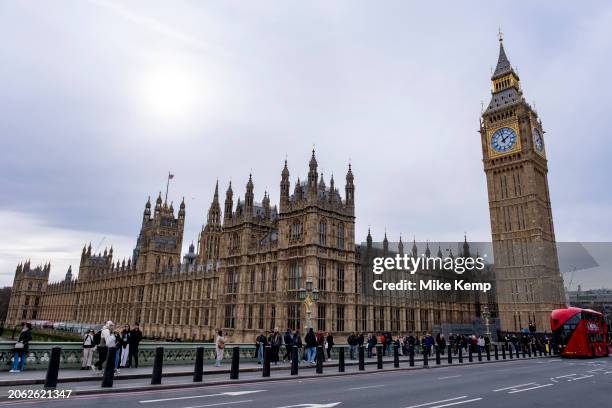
[[329, 343], [134, 341], [288, 339], [260, 343], [21, 347]]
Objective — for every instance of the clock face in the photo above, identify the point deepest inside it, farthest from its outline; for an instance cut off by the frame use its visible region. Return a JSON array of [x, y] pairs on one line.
[[537, 140], [503, 140]]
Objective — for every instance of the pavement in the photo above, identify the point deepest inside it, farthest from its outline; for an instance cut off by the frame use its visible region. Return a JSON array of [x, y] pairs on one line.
[[546, 382]]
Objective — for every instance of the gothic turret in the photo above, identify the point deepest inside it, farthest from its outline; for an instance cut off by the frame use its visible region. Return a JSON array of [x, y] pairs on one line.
[[350, 188], [248, 198], [229, 202], [284, 188], [312, 176]]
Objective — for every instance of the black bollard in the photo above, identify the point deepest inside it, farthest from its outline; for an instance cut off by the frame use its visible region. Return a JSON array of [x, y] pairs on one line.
[[294, 360], [541, 351], [158, 362], [510, 352], [379, 356], [266, 367], [479, 353], [199, 365], [460, 354], [529, 351], [53, 368], [396, 356], [425, 359], [524, 354], [450, 354], [109, 369], [341, 360], [470, 358], [517, 351], [411, 356], [437, 355], [503, 351], [361, 358], [496, 352], [235, 363], [320, 360], [488, 352]]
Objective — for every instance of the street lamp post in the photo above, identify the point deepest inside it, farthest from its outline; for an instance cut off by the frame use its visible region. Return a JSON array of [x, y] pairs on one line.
[[486, 315], [309, 296]]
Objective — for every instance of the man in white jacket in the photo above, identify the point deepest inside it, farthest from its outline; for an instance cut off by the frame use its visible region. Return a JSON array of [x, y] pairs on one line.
[[107, 339]]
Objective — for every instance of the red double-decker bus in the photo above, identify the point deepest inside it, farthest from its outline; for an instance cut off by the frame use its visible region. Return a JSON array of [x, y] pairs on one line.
[[579, 332]]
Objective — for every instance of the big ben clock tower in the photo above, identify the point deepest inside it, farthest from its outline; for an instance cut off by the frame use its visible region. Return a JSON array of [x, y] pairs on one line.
[[529, 284]]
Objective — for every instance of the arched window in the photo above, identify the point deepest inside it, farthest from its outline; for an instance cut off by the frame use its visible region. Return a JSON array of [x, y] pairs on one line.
[[157, 263], [296, 231], [340, 240], [322, 232]]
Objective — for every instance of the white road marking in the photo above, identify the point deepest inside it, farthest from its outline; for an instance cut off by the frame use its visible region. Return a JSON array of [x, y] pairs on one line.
[[568, 375], [219, 403], [436, 402], [330, 405], [367, 386], [229, 393], [456, 403], [514, 386], [450, 376], [530, 388], [580, 378]]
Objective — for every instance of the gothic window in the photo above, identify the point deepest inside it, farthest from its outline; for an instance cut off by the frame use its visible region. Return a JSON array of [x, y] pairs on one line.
[[293, 313], [340, 318], [395, 319], [252, 280], [250, 317], [229, 316], [36, 301], [29, 285], [322, 276], [295, 275], [157, 263], [232, 281], [262, 287], [272, 317], [274, 277], [321, 312], [27, 301], [235, 241], [322, 232], [34, 314], [340, 277], [364, 318], [296, 231], [261, 317], [170, 264], [340, 238], [39, 285], [24, 314]]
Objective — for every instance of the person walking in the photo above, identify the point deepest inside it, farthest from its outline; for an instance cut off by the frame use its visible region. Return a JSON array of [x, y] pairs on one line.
[[371, 344], [102, 339], [260, 344], [329, 343], [297, 342], [288, 339], [311, 345], [135, 338], [125, 346], [275, 345], [21, 347], [88, 349], [352, 342], [219, 348]]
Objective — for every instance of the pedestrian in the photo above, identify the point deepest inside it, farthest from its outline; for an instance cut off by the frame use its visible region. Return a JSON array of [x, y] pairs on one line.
[[311, 345], [125, 346], [275, 345], [219, 348], [135, 338], [329, 343], [297, 342], [352, 342], [102, 339], [288, 339], [260, 343], [118, 349], [371, 344], [88, 349], [21, 347]]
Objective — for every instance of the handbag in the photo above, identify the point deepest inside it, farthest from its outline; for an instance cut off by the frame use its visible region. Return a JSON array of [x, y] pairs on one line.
[[19, 345]]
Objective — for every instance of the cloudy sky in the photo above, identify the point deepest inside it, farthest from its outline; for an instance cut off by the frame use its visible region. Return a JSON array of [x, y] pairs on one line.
[[100, 99]]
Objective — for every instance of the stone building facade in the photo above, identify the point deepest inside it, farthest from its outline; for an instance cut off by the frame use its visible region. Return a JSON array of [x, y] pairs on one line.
[[245, 275]]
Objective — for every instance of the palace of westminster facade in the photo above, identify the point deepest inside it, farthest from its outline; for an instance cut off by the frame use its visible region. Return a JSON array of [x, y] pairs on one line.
[[253, 258]]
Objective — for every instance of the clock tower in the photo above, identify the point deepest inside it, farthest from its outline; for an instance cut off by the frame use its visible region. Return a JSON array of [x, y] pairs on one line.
[[529, 283]]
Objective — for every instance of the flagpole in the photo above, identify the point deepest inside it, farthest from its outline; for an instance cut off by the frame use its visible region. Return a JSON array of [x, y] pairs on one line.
[[167, 186]]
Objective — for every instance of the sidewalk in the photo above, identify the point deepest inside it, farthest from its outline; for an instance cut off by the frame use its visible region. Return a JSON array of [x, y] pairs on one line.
[[92, 384], [32, 377]]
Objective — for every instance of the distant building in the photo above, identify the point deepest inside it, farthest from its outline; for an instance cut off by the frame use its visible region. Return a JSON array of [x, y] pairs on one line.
[[595, 299], [5, 295]]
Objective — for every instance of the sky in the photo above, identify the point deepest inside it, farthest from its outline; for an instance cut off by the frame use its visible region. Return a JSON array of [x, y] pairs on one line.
[[100, 99]]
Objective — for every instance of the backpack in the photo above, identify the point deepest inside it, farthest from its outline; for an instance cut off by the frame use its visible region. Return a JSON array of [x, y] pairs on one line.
[[221, 343], [97, 338]]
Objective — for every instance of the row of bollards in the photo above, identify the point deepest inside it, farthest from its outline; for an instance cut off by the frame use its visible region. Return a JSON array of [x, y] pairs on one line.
[[156, 376]]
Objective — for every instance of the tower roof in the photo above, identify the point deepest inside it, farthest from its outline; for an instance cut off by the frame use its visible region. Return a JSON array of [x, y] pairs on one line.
[[503, 64]]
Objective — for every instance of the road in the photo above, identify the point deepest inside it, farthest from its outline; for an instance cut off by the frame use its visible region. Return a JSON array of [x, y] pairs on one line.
[[548, 382]]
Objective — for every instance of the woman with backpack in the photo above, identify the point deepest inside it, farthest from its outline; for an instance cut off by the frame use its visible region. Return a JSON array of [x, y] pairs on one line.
[[88, 348], [219, 348]]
